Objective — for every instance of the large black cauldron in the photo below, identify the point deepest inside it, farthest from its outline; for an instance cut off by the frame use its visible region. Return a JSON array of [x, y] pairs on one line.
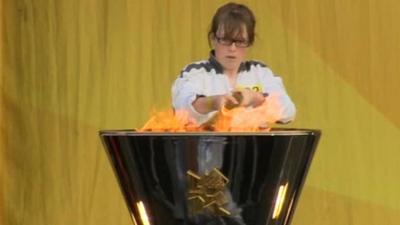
[[210, 178]]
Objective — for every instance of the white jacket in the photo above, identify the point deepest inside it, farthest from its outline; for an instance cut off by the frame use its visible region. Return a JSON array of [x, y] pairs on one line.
[[206, 78]]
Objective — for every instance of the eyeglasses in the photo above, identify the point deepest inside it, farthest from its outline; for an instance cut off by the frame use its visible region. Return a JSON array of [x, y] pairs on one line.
[[240, 43]]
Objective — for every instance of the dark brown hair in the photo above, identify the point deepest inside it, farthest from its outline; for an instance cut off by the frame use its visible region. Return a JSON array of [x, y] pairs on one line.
[[231, 17]]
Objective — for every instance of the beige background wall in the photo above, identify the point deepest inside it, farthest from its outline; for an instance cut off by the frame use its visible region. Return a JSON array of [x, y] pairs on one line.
[[72, 67]]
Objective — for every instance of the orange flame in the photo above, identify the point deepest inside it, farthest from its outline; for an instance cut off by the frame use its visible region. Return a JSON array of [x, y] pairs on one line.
[[170, 121], [239, 119]]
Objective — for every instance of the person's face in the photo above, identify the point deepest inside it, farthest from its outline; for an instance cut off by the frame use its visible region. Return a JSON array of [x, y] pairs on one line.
[[230, 52]]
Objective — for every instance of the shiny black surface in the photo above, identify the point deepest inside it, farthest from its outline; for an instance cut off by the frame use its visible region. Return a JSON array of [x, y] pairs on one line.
[[152, 171]]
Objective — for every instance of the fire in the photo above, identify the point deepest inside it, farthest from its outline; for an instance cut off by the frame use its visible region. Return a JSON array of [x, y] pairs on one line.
[[239, 119], [178, 121]]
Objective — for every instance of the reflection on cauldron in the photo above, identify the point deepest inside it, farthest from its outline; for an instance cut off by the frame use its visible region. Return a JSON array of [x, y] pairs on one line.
[[211, 178]]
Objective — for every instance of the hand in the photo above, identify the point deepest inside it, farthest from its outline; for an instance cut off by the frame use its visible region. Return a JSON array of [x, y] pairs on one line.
[[212, 103], [250, 98], [227, 101]]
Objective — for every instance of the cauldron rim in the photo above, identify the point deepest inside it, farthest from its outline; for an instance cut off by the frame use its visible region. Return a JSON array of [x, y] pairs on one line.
[[273, 132]]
